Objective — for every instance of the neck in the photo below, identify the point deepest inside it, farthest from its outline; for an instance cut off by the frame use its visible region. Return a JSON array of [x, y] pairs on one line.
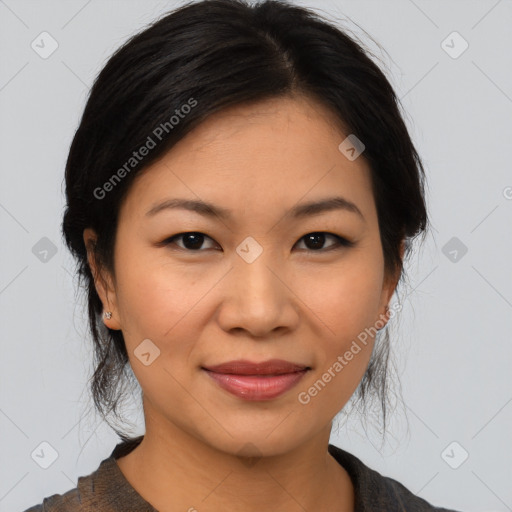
[[177, 472]]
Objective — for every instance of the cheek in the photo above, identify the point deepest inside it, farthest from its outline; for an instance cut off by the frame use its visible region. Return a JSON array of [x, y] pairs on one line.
[[346, 306], [345, 298], [160, 300], [144, 292], [156, 303], [347, 312]]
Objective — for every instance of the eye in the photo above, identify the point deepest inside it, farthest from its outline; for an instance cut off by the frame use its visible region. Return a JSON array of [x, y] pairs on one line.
[[316, 240], [192, 240]]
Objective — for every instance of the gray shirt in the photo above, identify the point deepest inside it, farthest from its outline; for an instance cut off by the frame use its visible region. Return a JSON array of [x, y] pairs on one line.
[[107, 490]]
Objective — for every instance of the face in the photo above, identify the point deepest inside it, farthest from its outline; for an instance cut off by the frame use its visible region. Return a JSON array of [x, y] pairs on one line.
[[260, 279]]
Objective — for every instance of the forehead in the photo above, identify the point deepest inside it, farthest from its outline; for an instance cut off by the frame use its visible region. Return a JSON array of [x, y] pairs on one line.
[[256, 156]]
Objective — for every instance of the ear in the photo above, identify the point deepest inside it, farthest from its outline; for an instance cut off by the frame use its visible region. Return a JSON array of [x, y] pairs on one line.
[[103, 281], [390, 284]]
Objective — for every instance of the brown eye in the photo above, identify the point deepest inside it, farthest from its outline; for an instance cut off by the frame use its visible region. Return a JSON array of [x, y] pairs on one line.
[[315, 241], [192, 241]]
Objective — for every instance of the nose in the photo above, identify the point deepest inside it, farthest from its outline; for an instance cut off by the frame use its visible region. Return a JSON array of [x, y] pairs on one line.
[[258, 299]]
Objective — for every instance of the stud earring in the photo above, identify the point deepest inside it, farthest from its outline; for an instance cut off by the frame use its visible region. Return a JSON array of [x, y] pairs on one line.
[[107, 314]]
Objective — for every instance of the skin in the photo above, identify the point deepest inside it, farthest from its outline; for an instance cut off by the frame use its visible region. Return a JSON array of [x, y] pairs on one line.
[[208, 305]]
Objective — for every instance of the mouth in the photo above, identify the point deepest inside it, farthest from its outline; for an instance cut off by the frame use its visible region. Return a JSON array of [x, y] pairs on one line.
[[257, 381], [245, 367]]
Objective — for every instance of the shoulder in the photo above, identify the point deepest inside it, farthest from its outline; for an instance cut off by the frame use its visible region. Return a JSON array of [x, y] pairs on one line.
[[106, 489], [374, 491], [85, 497], [399, 494], [68, 501]]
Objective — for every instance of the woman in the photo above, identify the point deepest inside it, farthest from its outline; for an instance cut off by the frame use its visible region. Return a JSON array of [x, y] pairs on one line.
[[241, 194]]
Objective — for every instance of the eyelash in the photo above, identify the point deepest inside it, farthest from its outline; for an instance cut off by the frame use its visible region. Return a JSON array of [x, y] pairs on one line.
[[341, 242]]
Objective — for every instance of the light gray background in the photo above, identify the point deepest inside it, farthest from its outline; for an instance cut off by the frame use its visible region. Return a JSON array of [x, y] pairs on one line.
[[452, 341]]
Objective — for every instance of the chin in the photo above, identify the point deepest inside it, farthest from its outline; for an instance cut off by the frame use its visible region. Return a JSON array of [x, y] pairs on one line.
[[258, 444]]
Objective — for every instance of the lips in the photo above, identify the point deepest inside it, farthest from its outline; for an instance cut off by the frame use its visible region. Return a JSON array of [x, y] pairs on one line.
[[245, 367], [257, 381]]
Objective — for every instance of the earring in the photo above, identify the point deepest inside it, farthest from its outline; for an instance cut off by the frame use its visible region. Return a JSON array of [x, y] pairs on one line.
[[107, 314]]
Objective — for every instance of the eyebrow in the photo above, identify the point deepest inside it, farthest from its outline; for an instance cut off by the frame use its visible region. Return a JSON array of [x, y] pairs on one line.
[[299, 211]]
